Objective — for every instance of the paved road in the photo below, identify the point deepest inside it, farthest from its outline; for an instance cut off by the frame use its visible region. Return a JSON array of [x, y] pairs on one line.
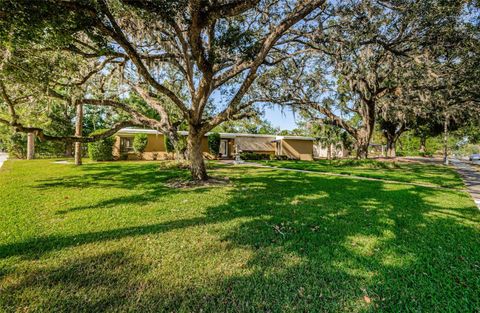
[[3, 157], [471, 177]]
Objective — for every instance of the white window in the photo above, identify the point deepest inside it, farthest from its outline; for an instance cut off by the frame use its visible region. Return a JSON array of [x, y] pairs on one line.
[[126, 144]]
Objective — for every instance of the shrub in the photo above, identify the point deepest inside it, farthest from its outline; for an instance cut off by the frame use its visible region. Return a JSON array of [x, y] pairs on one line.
[[140, 143], [101, 150], [181, 147], [214, 143], [282, 158], [16, 145], [264, 156], [254, 156], [168, 144]]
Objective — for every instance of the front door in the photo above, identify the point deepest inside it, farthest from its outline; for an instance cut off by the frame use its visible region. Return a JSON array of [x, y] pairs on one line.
[[224, 148]]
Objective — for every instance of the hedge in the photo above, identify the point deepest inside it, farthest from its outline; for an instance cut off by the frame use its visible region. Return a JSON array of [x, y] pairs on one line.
[[214, 143], [140, 142], [255, 156], [101, 150], [263, 156]]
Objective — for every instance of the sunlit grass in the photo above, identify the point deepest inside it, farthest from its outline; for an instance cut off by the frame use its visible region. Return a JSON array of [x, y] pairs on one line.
[[113, 237], [438, 175]]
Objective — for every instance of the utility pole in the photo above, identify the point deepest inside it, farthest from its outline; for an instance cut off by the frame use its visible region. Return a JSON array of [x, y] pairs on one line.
[[78, 133], [445, 140], [30, 146]]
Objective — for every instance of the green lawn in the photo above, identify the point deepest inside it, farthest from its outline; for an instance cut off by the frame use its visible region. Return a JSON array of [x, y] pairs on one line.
[[113, 237], [438, 175]]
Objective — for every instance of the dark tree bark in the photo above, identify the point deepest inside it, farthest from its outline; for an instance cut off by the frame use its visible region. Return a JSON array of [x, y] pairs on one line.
[[391, 147], [364, 134], [423, 144], [392, 135], [392, 130], [362, 146], [195, 156]]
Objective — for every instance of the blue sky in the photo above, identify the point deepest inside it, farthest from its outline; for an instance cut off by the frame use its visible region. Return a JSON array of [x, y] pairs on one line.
[[283, 118]]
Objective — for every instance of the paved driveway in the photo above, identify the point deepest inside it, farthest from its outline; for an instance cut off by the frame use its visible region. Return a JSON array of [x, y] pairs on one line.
[[471, 177], [3, 157]]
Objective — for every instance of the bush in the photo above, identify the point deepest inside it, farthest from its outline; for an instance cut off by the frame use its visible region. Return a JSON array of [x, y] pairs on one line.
[[140, 143], [255, 156], [283, 158], [168, 144], [101, 150], [181, 145], [264, 156], [16, 145], [214, 143]]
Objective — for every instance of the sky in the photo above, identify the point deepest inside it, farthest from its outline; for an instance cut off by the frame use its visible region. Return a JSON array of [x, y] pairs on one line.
[[283, 118]]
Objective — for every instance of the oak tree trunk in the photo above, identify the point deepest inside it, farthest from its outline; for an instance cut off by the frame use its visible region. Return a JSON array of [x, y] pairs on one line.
[[30, 146], [423, 144], [362, 149], [363, 141], [195, 156], [78, 133], [391, 145], [365, 133], [391, 149]]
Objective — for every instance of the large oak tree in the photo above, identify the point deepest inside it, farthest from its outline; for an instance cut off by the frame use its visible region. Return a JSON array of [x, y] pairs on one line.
[[200, 56]]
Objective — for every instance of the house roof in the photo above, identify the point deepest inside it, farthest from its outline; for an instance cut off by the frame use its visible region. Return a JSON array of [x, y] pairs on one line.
[[133, 131], [249, 143]]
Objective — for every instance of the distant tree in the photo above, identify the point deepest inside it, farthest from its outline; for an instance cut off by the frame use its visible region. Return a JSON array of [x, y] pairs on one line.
[[252, 125], [350, 65]]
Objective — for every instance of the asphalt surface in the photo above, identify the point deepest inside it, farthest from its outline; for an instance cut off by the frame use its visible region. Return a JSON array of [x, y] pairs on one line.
[[471, 177]]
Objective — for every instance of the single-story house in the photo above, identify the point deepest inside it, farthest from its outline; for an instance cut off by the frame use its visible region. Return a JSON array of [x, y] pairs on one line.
[[297, 147]]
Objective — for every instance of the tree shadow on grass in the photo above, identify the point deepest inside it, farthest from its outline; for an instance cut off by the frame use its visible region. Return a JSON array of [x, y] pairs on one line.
[[111, 175], [147, 177], [317, 243], [392, 244], [36, 248], [102, 282], [403, 172]]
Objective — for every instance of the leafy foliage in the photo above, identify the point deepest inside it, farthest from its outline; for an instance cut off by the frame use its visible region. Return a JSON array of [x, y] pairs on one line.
[[169, 147], [255, 156], [101, 150], [214, 143], [140, 142], [15, 144], [254, 125]]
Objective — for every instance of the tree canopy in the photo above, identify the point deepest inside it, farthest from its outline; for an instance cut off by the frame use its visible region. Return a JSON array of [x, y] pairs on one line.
[[202, 65]]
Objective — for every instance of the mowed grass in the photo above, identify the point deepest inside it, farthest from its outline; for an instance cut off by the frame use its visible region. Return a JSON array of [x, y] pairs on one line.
[[113, 237], [431, 174]]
